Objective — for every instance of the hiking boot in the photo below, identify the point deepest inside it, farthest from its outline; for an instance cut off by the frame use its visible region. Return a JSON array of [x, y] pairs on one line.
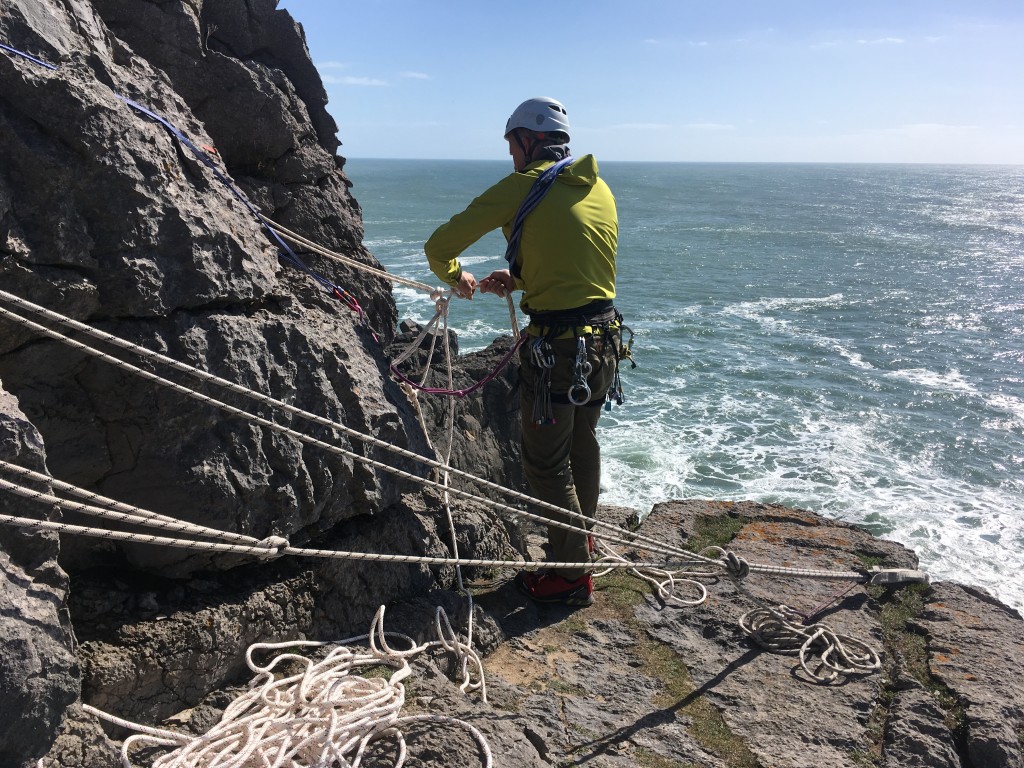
[[548, 587]]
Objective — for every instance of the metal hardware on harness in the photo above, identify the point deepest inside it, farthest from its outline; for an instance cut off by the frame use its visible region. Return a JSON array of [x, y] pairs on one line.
[[544, 359], [579, 392], [626, 353]]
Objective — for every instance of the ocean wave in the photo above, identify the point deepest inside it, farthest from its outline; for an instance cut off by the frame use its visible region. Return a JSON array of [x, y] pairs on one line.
[[951, 381], [384, 242]]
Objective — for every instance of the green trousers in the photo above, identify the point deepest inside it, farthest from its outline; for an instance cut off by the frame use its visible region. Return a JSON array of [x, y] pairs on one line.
[[562, 460]]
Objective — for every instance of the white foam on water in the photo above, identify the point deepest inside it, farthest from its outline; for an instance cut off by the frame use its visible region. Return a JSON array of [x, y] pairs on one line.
[[951, 381], [847, 467], [383, 242]]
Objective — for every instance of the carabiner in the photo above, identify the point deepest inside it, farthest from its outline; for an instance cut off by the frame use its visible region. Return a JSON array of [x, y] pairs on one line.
[[582, 399]]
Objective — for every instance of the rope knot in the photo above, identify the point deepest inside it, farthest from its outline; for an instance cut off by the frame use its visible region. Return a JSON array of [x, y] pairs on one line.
[[274, 546], [734, 565]]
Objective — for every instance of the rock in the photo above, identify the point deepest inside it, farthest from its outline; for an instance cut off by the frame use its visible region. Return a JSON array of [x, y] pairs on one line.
[[976, 651], [148, 244], [39, 675]]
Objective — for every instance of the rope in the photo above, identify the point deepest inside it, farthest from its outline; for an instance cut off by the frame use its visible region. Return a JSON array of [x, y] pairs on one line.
[[112, 510], [440, 314], [275, 546], [24, 55], [613, 533], [780, 630], [324, 714], [298, 239]]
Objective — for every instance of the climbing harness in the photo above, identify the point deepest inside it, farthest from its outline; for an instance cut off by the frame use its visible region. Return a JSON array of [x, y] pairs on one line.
[[599, 320]]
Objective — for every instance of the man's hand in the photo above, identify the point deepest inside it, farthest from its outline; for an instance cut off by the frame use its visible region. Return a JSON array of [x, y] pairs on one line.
[[499, 282], [466, 285]]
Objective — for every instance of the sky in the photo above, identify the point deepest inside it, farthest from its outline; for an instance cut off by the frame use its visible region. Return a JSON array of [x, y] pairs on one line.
[[883, 81]]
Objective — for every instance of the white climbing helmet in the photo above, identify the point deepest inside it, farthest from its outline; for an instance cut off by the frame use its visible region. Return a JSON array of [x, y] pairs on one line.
[[541, 115]]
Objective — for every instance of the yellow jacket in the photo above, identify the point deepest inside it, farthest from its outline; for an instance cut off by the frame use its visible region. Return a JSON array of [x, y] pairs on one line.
[[568, 245]]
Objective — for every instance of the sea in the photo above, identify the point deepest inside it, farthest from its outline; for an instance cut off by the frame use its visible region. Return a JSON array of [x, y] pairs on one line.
[[846, 339]]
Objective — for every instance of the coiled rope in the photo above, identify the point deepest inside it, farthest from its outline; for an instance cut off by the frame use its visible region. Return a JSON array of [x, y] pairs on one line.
[[781, 630], [324, 714]]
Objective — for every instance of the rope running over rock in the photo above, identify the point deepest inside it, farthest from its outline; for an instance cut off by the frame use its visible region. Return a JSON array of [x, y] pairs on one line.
[[608, 531]]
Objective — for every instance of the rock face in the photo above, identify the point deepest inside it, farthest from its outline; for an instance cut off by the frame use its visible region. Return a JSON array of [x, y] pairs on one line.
[[108, 217], [38, 671]]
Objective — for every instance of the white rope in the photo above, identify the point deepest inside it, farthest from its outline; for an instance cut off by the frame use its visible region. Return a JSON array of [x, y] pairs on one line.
[[604, 530], [611, 532], [450, 639], [781, 630], [663, 580], [300, 240], [325, 714], [274, 546], [113, 510]]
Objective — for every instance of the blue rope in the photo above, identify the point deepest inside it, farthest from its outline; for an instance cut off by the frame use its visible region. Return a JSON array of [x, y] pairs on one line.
[[537, 192], [286, 253], [33, 59]]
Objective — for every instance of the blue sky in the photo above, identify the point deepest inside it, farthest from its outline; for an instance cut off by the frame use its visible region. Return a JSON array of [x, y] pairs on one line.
[[905, 81]]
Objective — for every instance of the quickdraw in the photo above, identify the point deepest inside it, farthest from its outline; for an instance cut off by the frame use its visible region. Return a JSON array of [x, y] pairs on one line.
[[544, 359], [625, 352]]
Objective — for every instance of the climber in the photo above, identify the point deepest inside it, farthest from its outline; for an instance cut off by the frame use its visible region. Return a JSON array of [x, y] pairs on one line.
[[560, 220]]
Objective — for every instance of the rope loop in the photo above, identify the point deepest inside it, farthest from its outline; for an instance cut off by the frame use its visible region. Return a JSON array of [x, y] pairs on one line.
[[780, 630], [275, 546], [441, 304]]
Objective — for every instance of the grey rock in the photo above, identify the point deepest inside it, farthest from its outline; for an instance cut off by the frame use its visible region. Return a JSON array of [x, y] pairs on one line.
[[39, 674], [976, 650], [918, 737]]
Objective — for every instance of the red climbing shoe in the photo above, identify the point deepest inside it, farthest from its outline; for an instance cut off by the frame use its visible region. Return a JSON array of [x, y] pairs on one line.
[[548, 587]]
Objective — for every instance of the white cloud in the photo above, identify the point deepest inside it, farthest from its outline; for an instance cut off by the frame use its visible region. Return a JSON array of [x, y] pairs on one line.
[[414, 75], [883, 41], [350, 80], [928, 130], [710, 126], [331, 65], [625, 127]]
